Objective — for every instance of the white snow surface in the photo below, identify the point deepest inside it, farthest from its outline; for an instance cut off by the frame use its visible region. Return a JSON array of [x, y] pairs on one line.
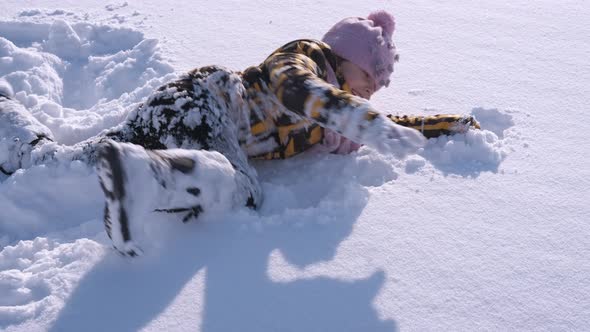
[[482, 231]]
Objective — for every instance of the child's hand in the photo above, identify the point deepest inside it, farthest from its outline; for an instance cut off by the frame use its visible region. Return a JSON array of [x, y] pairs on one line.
[[388, 137]]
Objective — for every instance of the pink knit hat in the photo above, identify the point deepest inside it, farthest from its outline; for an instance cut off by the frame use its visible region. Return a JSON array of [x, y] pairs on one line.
[[366, 42]]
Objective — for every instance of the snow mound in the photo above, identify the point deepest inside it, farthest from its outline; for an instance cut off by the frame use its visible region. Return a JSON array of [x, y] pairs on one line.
[[5, 89], [79, 78], [471, 153], [493, 120], [466, 154]]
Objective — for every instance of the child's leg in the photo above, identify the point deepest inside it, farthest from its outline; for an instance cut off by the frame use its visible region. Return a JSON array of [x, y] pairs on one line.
[[181, 114], [437, 125]]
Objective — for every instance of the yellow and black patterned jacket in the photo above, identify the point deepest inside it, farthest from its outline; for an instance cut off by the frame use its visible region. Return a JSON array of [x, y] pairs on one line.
[[293, 94], [298, 90]]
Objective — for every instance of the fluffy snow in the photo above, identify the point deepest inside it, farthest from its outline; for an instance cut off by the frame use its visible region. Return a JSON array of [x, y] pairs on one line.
[[79, 79], [482, 231]]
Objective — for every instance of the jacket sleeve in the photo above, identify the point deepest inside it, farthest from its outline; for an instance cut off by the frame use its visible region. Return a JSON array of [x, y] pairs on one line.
[[295, 80]]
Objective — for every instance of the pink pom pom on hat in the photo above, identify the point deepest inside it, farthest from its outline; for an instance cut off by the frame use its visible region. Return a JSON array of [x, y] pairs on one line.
[[366, 42]]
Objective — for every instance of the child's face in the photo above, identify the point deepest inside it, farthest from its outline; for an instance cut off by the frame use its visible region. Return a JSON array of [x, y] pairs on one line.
[[361, 84]]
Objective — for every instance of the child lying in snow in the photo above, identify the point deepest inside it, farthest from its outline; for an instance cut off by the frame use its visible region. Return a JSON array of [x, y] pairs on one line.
[[186, 149]]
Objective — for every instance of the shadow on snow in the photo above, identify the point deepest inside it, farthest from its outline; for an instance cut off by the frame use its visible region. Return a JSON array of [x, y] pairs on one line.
[[239, 295]]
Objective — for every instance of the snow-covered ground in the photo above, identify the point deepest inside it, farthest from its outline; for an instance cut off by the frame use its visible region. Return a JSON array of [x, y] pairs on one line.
[[483, 231]]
